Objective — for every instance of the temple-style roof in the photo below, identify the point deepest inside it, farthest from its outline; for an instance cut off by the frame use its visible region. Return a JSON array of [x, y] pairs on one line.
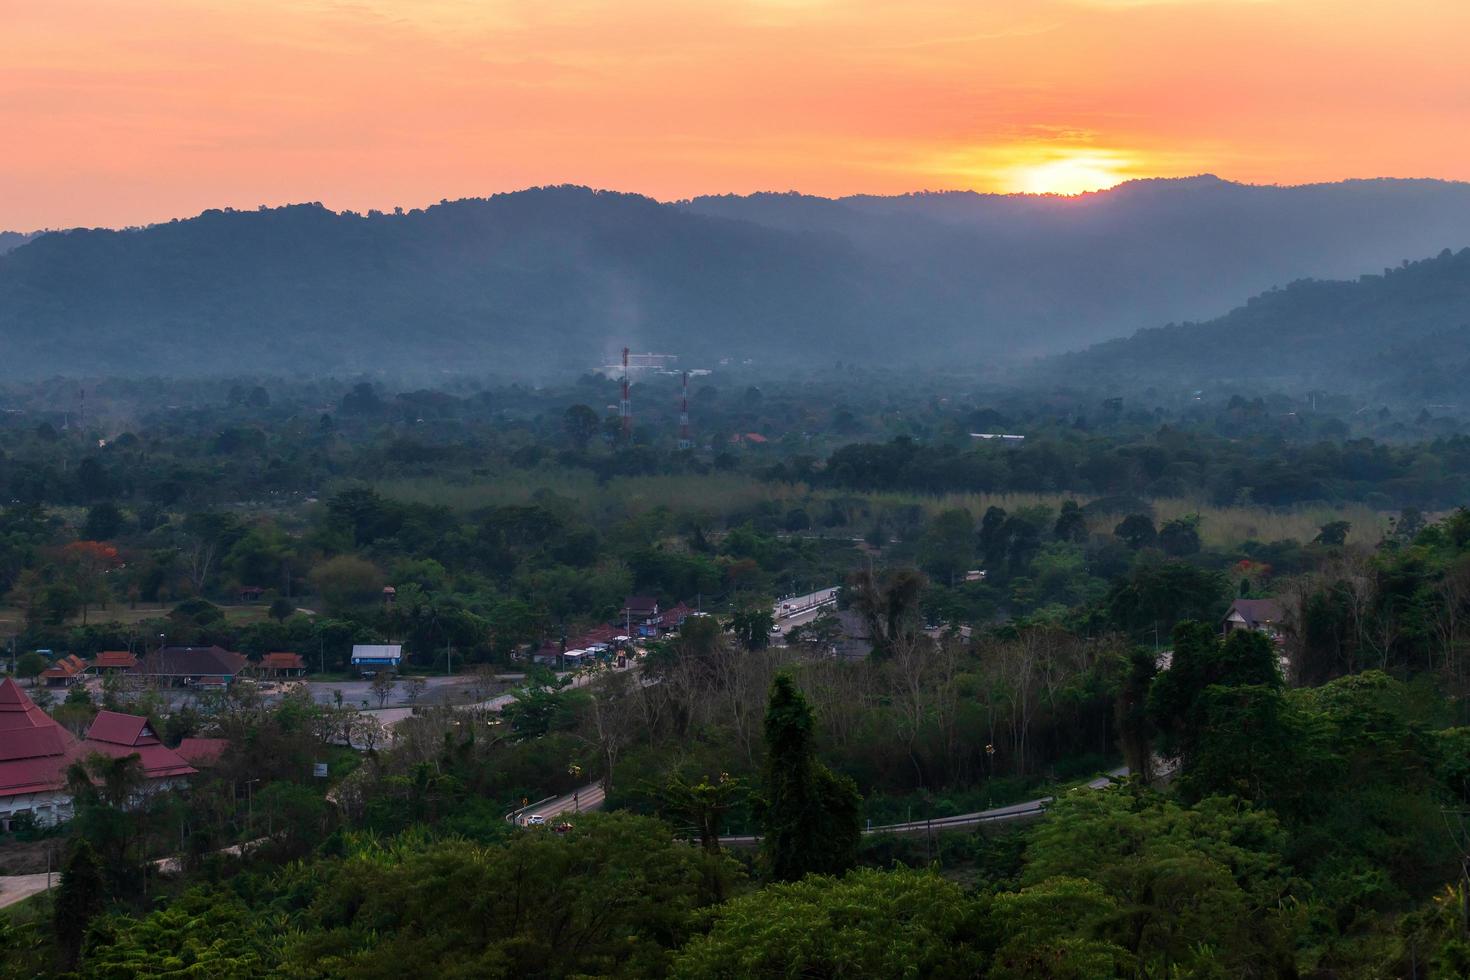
[[34, 750]]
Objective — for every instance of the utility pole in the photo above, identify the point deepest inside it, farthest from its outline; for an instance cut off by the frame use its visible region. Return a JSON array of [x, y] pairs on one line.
[[625, 405], [685, 442]]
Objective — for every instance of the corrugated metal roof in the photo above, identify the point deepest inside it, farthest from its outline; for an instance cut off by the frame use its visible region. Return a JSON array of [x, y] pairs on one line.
[[368, 651]]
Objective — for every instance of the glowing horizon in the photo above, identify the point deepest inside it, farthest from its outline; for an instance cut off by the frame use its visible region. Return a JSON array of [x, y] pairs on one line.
[[115, 117]]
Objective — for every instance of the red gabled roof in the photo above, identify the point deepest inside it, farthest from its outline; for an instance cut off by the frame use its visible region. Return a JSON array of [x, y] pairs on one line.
[[34, 749], [158, 761], [202, 751], [121, 729], [114, 658], [283, 661], [68, 666], [115, 735], [598, 634], [673, 617]]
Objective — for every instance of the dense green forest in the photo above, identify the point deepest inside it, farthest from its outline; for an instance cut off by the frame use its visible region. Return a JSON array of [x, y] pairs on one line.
[[1272, 804]]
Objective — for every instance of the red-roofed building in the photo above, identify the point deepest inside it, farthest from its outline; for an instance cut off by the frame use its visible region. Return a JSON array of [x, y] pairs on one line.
[[112, 661], [281, 664], [64, 671], [191, 666], [598, 636], [116, 735], [671, 619], [34, 755], [201, 753]]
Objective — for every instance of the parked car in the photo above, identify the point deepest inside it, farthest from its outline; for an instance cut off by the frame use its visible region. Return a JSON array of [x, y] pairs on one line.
[[535, 820]]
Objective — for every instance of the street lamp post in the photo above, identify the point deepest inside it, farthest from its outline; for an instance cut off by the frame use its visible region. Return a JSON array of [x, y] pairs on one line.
[[990, 766]]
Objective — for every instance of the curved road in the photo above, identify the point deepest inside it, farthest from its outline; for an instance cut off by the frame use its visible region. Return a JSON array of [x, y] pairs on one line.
[[591, 798]]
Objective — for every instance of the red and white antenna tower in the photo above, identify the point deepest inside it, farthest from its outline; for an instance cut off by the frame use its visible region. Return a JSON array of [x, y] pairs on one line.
[[625, 406], [684, 441]]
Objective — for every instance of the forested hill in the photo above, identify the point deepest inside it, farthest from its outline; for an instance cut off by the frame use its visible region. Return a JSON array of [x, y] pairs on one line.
[[537, 280], [1401, 334], [14, 239], [560, 278], [1056, 273]]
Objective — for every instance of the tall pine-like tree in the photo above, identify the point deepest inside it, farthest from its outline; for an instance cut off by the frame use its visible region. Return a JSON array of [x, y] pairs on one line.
[[79, 898], [811, 814]]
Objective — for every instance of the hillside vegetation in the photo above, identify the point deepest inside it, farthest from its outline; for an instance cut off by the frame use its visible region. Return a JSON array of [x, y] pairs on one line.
[[556, 279], [1403, 334]]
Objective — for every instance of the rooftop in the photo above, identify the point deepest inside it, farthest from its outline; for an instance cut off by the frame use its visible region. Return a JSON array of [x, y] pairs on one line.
[[34, 750]]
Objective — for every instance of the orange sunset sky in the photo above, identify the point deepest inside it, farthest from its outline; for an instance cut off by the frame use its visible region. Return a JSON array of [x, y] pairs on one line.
[[127, 111]]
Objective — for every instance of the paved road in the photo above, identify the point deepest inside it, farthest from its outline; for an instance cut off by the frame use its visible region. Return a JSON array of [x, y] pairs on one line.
[[579, 801], [800, 611], [591, 798], [390, 717], [794, 608], [18, 888], [1001, 814]]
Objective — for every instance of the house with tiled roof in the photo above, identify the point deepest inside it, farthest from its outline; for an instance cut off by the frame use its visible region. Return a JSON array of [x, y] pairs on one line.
[[201, 753], [281, 664], [115, 735], [211, 666], [671, 619], [36, 752], [112, 661], [34, 755], [64, 671]]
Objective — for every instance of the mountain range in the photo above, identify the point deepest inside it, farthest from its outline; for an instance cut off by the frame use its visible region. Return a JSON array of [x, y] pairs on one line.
[[1401, 335], [555, 279]]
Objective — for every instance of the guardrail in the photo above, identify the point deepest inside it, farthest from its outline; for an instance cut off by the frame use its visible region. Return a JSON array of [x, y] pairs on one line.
[[513, 817], [785, 611]]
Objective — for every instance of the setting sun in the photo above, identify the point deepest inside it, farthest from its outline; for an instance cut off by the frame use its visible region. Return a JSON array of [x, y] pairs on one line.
[[1069, 175]]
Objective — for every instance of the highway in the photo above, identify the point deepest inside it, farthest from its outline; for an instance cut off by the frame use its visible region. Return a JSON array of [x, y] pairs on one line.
[[591, 798], [1011, 813], [792, 607], [796, 611], [579, 801]]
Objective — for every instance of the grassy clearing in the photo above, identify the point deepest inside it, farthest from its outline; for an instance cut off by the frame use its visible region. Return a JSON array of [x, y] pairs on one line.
[[719, 497], [13, 620]]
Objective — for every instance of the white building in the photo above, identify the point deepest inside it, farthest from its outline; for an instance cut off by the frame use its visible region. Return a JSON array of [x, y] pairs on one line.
[[371, 658]]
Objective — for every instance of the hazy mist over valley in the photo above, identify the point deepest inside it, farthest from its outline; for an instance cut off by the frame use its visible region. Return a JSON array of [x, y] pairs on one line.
[[1015, 552], [554, 280]]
